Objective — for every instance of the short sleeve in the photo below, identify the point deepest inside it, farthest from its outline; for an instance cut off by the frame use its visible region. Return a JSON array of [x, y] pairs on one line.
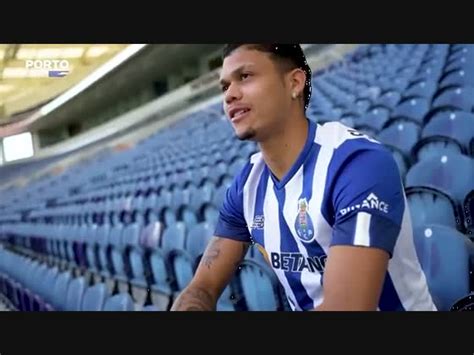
[[231, 222], [368, 200]]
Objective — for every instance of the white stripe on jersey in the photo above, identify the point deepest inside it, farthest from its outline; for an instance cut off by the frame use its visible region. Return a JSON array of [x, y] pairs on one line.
[[272, 239], [326, 152], [311, 281], [249, 193], [334, 134], [362, 230], [405, 270]]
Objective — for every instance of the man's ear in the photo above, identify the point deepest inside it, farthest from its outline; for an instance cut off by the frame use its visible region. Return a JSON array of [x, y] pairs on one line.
[[297, 81]]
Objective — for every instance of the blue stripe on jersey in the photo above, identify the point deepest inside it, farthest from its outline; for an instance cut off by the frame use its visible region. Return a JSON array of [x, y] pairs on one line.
[[389, 300], [288, 245], [257, 233], [342, 156], [383, 226], [231, 222], [313, 248], [244, 175], [381, 182]]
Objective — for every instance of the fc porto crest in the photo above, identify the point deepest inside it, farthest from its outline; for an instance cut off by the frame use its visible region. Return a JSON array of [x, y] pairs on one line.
[[304, 224]]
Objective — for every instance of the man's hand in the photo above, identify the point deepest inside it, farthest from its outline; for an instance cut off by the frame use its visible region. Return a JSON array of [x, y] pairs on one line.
[[215, 270]]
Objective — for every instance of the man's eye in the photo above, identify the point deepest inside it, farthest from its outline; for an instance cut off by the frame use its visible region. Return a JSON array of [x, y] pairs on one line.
[[244, 75]]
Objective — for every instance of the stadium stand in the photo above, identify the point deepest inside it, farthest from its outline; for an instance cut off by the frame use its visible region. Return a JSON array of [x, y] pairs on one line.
[[125, 230]]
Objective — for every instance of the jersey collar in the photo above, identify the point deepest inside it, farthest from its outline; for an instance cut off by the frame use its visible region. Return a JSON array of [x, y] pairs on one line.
[[301, 158]]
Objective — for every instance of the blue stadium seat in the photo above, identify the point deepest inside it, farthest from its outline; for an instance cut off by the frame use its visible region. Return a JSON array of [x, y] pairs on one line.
[[411, 108], [94, 298], [236, 166], [163, 277], [89, 248], [120, 302], [452, 174], [150, 308], [102, 241], [375, 118], [389, 99], [60, 291], [445, 255], [454, 129], [428, 206], [436, 146], [259, 286], [436, 188], [74, 295], [116, 248], [402, 135], [455, 97], [462, 63], [457, 77]]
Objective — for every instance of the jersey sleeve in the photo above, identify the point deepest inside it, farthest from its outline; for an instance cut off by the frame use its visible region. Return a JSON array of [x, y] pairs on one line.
[[231, 222], [368, 201]]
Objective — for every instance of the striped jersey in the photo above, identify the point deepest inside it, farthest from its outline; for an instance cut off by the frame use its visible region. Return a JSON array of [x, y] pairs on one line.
[[344, 189]]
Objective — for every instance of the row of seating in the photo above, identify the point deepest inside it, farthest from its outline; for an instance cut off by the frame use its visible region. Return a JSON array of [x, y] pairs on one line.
[[32, 286], [150, 263], [446, 257]]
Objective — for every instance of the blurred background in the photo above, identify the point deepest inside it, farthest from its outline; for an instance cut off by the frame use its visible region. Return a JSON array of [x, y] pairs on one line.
[[114, 160]]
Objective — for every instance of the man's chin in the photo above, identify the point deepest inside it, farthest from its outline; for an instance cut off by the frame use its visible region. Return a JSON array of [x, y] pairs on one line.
[[246, 135]]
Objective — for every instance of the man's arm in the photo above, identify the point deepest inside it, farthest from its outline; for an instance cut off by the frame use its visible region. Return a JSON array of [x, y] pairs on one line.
[[215, 270], [368, 204], [353, 278]]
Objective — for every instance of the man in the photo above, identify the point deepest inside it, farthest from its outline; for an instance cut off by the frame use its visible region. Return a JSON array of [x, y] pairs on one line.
[[324, 203]]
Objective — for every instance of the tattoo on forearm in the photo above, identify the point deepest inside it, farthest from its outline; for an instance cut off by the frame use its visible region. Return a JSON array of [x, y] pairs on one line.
[[212, 253], [194, 300]]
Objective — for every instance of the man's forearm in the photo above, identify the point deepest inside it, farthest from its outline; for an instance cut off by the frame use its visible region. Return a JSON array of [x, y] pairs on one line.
[[194, 299]]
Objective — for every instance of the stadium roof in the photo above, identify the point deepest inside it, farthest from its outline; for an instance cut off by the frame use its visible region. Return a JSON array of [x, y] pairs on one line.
[[33, 74]]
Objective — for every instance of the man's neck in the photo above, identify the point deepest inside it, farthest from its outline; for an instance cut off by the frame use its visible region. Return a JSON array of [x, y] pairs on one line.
[[281, 150]]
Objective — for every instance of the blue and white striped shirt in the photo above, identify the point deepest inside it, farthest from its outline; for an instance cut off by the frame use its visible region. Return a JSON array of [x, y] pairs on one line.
[[344, 189]]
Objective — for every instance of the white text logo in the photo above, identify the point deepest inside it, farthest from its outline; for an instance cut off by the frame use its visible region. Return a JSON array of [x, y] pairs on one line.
[[371, 202], [52, 68]]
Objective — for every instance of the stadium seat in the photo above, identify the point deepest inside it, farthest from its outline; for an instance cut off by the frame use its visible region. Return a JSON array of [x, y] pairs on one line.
[[452, 174], [444, 255], [455, 97], [457, 77], [120, 302], [375, 118], [422, 88], [401, 135], [411, 108], [94, 298], [60, 291], [389, 99], [74, 295], [259, 287], [163, 276], [437, 183], [447, 131]]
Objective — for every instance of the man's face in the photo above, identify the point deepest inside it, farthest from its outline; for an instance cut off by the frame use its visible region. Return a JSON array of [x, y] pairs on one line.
[[256, 95]]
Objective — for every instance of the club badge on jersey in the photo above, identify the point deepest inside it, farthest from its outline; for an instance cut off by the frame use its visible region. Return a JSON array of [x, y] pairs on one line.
[[303, 224]]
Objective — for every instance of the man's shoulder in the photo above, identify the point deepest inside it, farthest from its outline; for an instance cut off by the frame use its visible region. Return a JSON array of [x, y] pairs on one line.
[[336, 135], [255, 162], [346, 144]]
